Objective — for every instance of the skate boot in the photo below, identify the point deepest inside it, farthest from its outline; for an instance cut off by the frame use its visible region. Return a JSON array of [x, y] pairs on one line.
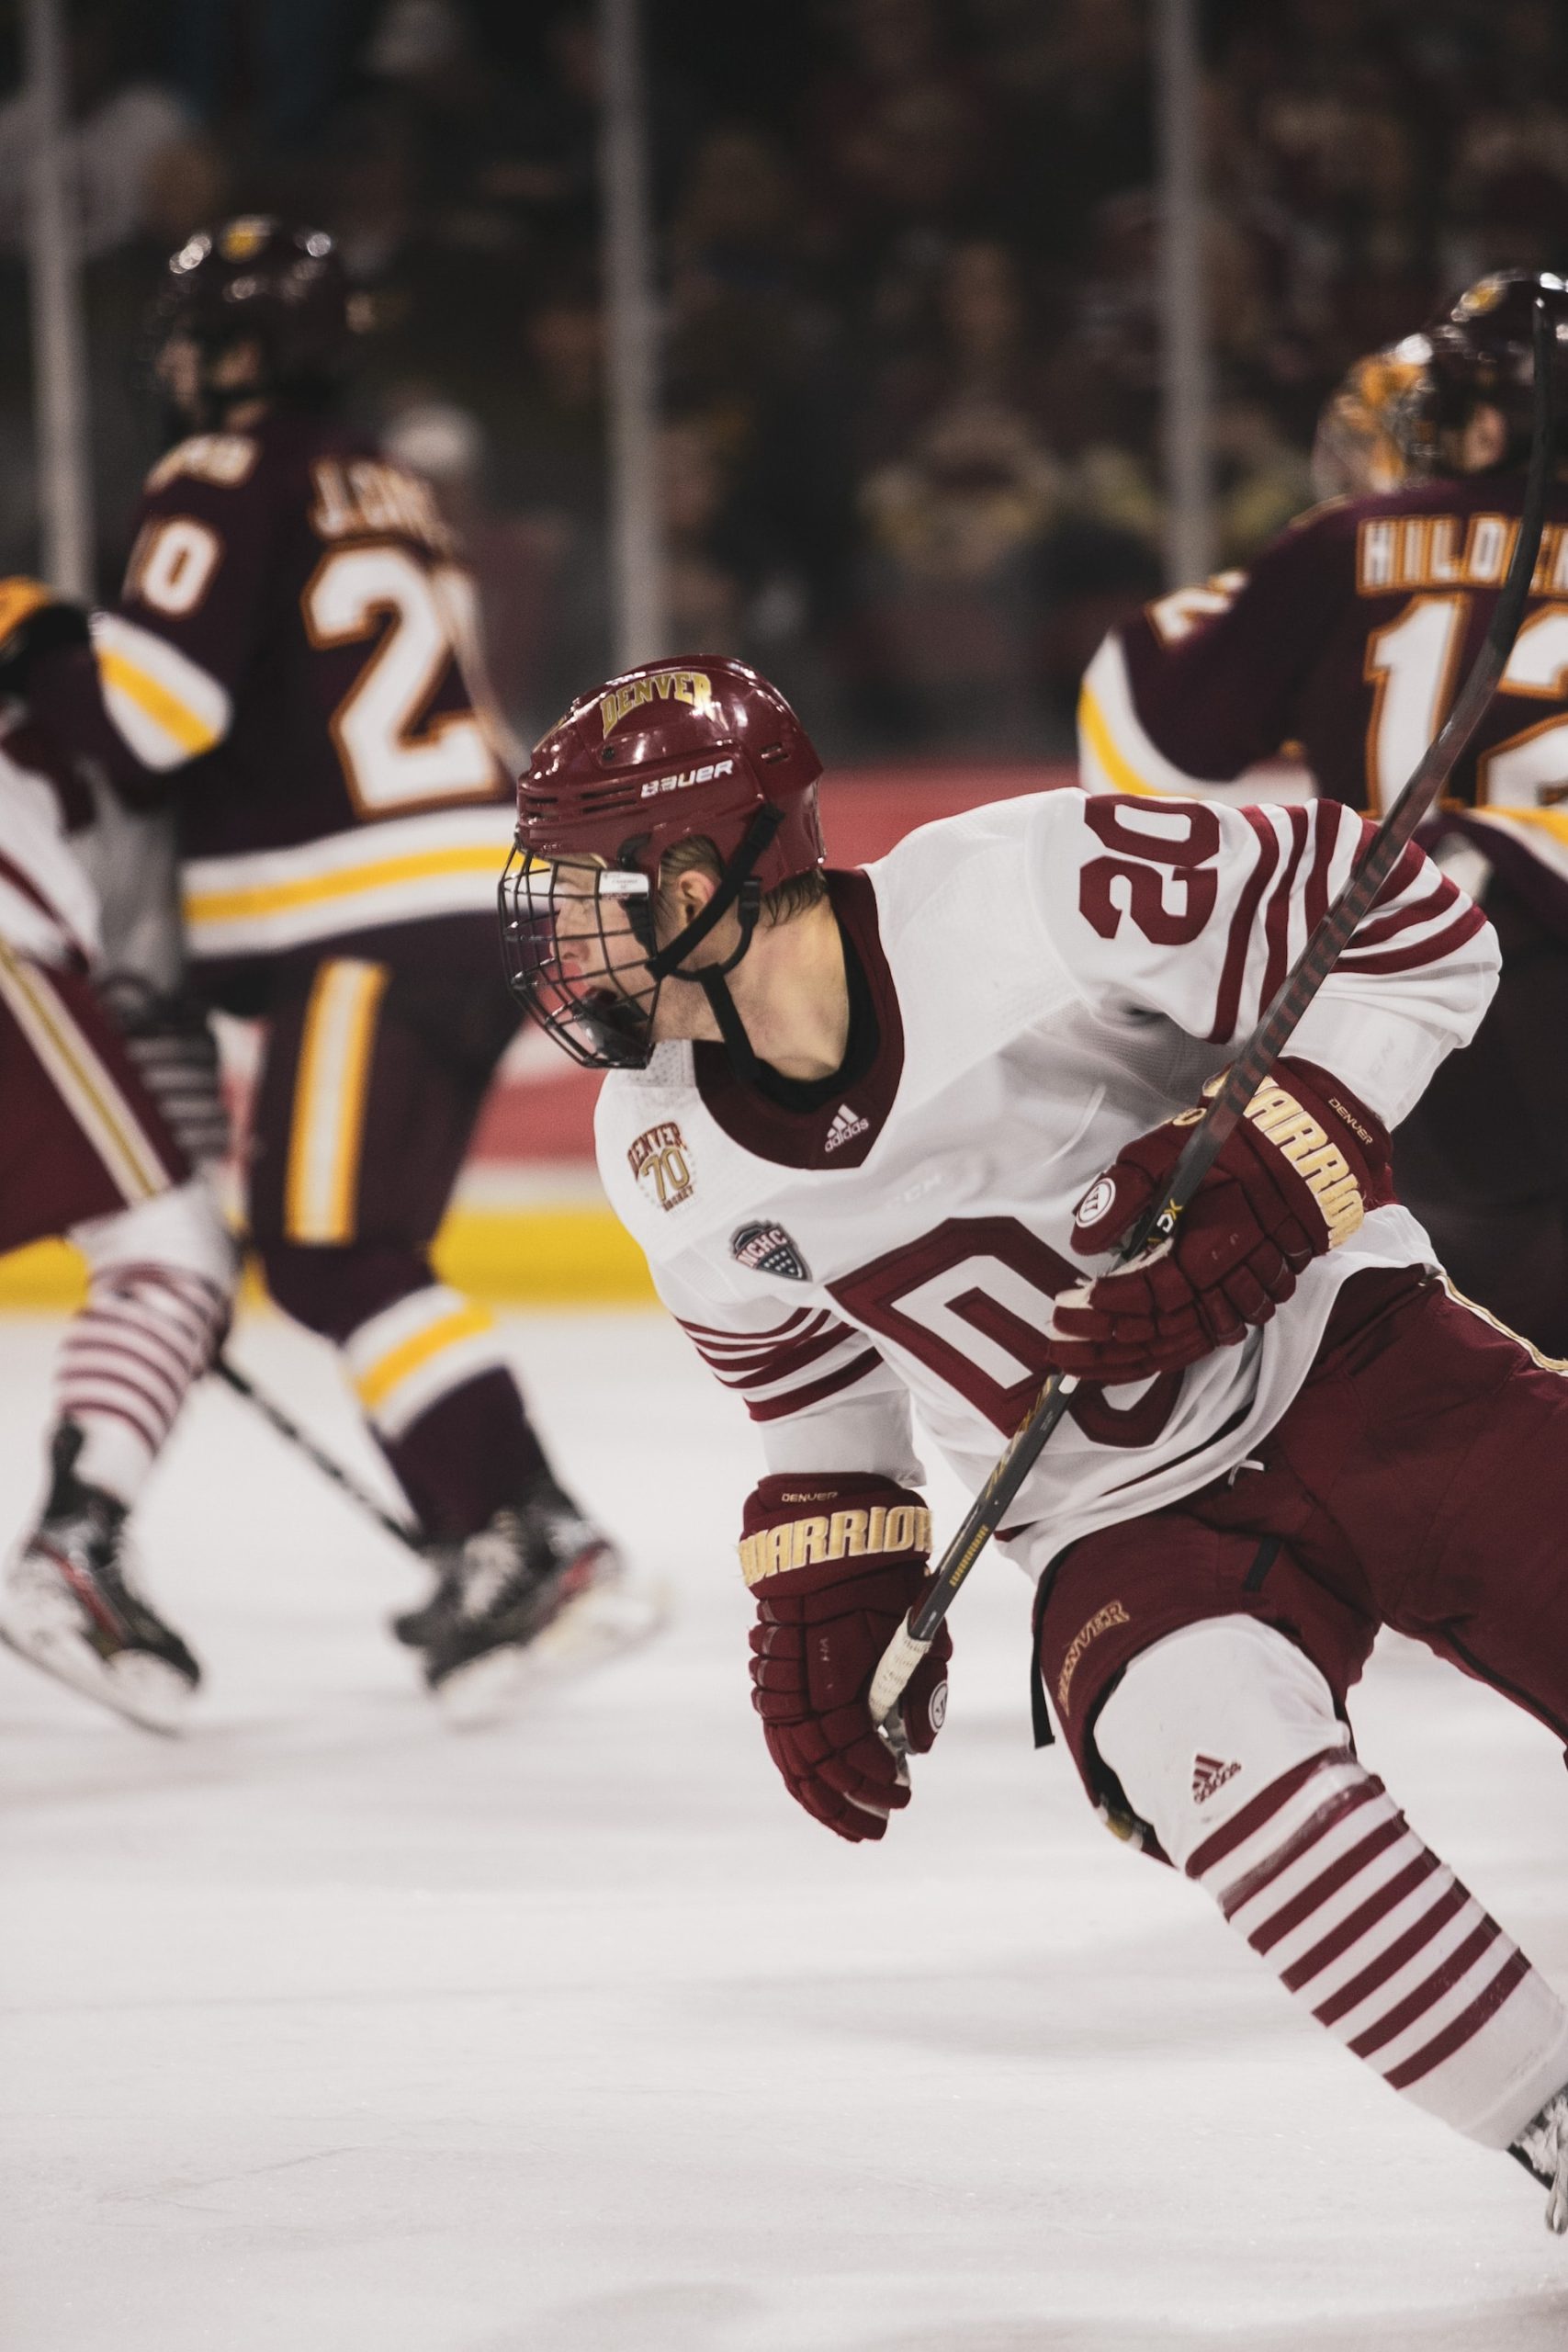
[[1542, 2149], [521, 1592], [68, 1605]]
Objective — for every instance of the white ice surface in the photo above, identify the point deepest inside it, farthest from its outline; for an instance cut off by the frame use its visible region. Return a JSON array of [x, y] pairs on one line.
[[329, 2030]]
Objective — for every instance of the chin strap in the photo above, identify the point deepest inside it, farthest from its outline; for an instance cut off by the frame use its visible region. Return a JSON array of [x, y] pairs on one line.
[[731, 1028], [738, 888]]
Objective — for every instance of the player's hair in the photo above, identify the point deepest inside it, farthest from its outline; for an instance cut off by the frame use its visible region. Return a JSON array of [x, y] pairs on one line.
[[782, 904]]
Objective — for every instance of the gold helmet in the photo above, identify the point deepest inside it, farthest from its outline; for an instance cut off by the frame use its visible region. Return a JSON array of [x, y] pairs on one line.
[[1360, 446]]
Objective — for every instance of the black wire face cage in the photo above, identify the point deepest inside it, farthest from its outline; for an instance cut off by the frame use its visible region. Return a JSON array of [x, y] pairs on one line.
[[575, 940]]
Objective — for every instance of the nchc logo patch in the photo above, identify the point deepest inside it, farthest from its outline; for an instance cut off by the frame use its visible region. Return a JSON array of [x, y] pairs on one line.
[[768, 1250], [661, 1159]]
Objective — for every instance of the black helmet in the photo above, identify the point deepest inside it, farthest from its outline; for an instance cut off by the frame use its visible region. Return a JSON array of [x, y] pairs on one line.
[[1482, 350], [282, 285]]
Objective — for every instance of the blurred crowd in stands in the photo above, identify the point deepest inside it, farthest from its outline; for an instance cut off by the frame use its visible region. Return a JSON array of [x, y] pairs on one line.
[[908, 272]]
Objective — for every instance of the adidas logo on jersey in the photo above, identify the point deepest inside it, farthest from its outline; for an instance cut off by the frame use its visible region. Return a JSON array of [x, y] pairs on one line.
[[1209, 1774], [847, 1124]]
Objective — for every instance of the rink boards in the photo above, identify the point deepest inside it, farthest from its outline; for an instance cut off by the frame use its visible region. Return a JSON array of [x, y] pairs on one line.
[[530, 1224]]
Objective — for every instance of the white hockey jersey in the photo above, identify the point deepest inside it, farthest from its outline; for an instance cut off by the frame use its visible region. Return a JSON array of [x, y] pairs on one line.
[[48, 907], [1050, 977]]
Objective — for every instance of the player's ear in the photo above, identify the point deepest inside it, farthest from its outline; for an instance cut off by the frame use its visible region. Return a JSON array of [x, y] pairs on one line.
[[1486, 438], [692, 890]]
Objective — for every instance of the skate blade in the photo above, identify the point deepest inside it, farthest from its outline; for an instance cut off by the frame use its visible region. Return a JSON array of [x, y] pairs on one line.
[[603, 1623], [145, 1691]]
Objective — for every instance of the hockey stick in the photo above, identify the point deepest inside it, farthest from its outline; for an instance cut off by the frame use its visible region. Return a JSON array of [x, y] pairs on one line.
[[327, 1463], [1257, 1057]]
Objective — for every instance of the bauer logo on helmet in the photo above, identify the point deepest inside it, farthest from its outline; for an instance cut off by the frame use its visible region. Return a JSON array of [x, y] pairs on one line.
[[688, 775]]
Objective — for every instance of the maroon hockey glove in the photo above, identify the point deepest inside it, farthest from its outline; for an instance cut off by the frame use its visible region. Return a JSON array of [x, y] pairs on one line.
[[1297, 1177], [836, 1564]]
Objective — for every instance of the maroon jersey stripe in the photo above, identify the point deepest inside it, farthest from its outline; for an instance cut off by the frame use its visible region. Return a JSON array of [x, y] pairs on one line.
[[774, 1409], [1372, 934], [702, 1332], [1427, 951], [1277, 922], [1229, 999], [781, 1362], [1411, 861], [746, 1361]]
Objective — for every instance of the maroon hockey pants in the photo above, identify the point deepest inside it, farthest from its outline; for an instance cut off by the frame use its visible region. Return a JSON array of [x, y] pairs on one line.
[[1419, 1480], [1483, 1158], [80, 1135]]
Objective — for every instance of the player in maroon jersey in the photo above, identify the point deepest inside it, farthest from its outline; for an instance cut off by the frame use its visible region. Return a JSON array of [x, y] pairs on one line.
[[1346, 637], [284, 666]]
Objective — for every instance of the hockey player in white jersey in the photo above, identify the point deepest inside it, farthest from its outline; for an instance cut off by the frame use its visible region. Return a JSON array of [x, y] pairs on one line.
[[868, 1127], [105, 1120]]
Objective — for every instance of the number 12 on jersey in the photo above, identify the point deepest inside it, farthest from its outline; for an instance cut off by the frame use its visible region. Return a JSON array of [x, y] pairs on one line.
[[1414, 661]]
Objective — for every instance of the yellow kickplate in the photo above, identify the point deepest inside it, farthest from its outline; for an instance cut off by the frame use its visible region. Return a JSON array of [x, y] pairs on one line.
[[526, 1257]]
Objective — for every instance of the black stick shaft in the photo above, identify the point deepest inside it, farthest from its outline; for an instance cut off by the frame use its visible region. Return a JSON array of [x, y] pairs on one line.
[[327, 1463], [1301, 983]]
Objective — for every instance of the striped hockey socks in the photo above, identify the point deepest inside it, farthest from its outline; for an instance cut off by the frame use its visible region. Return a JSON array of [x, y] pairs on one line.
[[1225, 1739]]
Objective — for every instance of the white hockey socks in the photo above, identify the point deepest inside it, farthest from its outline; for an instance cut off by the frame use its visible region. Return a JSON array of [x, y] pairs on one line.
[[1225, 1738], [161, 1276]]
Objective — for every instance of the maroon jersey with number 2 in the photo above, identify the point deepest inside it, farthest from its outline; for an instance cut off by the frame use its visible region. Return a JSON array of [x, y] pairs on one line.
[[290, 652], [1348, 636]]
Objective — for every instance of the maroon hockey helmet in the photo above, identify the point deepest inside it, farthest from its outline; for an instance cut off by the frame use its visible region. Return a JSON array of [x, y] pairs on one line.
[[699, 749], [1482, 350], [282, 284]]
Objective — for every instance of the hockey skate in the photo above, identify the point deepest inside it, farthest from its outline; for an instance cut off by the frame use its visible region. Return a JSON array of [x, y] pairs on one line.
[[538, 1591], [1542, 2149], [67, 1604]]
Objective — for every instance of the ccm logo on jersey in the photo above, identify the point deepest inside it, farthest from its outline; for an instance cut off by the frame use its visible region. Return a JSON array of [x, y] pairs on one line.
[[691, 776], [685, 685], [662, 1156], [800, 1542]]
